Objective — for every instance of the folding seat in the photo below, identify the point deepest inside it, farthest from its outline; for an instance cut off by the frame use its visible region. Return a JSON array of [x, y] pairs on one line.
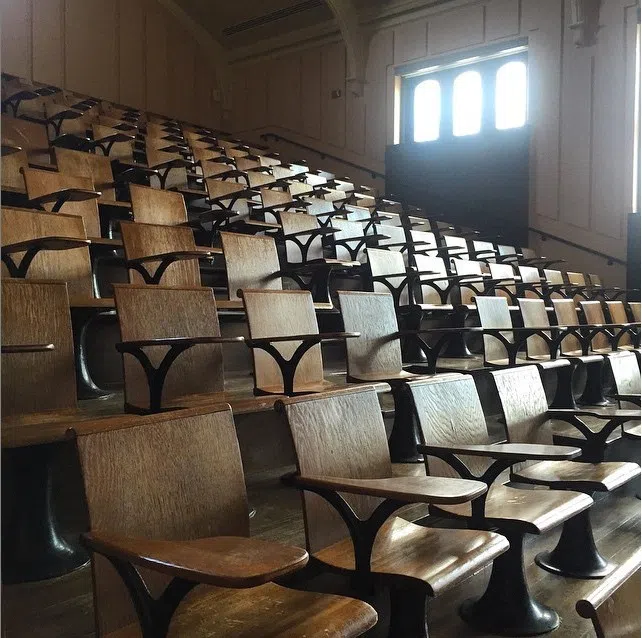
[[31, 137], [347, 480], [626, 375], [627, 335], [196, 546], [286, 354], [531, 421], [456, 443], [614, 605]]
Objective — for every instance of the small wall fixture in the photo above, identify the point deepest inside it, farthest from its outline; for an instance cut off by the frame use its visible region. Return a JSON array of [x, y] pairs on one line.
[[585, 21]]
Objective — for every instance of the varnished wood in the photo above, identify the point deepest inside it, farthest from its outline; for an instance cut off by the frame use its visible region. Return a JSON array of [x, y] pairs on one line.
[[72, 266], [293, 223], [614, 605], [97, 167], [626, 372], [37, 312], [30, 136], [200, 494], [594, 314], [11, 167], [155, 206], [617, 314], [40, 183], [142, 240], [383, 263], [281, 313], [123, 151]]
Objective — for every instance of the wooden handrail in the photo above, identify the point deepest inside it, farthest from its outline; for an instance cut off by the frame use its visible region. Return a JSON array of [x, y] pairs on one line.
[[609, 258], [322, 154]]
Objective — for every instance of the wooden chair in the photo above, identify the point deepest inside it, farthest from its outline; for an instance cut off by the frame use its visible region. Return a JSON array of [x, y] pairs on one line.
[[344, 469], [39, 403], [614, 606], [285, 342], [626, 374], [176, 359], [456, 443], [55, 191], [575, 554], [594, 313], [31, 137], [118, 145], [14, 161], [160, 254], [618, 315], [198, 540]]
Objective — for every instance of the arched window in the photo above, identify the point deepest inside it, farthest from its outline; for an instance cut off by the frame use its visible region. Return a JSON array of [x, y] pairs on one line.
[[510, 95], [427, 111], [467, 103]]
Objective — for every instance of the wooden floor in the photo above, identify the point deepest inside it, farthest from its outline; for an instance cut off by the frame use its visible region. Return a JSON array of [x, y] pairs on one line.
[[62, 608]]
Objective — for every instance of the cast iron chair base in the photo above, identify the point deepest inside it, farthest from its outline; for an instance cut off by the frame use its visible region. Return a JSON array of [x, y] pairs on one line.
[[404, 437], [576, 554]]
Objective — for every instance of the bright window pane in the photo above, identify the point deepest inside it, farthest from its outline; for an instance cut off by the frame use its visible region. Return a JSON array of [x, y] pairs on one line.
[[427, 110], [510, 96], [467, 103]]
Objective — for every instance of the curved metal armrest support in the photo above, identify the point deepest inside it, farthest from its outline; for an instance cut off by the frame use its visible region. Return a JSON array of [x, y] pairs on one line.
[[288, 366], [133, 173], [224, 561], [61, 197], [156, 375], [166, 260], [31, 248]]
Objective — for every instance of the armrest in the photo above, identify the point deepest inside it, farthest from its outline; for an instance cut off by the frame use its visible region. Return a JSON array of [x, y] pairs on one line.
[[328, 336], [223, 561], [116, 137], [66, 195], [312, 232], [130, 346], [174, 256], [509, 451], [619, 415], [410, 489], [10, 149], [135, 172], [45, 243], [67, 114], [28, 348], [631, 398]]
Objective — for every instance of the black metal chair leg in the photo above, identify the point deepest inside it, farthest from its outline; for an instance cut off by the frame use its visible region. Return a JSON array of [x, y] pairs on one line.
[[457, 347], [82, 319], [408, 612], [564, 398], [594, 391], [576, 554], [33, 547], [507, 608]]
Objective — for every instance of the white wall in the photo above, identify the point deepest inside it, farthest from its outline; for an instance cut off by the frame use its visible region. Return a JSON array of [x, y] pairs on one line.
[[581, 103], [128, 51]]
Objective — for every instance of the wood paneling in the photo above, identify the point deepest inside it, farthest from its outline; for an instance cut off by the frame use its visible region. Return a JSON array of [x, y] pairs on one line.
[[132, 53], [16, 37], [90, 34], [48, 41]]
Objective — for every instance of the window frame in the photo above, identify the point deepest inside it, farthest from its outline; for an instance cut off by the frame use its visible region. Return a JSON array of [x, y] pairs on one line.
[[445, 70]]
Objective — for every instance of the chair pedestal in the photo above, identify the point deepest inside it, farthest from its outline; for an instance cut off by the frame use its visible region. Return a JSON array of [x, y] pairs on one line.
[[564, 398], [593, 391], [576, 554], [457, 347], [404, 437], [408, 613], [507, 608], [82, 319], [33, 546]]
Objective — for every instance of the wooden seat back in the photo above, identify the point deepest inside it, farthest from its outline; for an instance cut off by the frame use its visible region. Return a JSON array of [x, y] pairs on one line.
[[614, 605], [387, 262], [176, 176], [449, 413], [30, 136], [617, 314], [634, 307], [395, 235], [458, 243], [155, 206], [426, 263], [280, 313], [204, 154], [468, 267], [318, 206], [534, 315], [39, 182], [299, 223], [524, 406], [96, 167], [504, 271], [188, 477], [155, 129], [143, 240], [484, 246], [123, 151], [11, 167], [494, 313], [566, 315], [72, 266], [373, 315], [531, 275], [37, 312], [251, 261], [626, 372], [69, 126], [349, 230], [337, 434], [577, 279], [594, 313], [143, 314]]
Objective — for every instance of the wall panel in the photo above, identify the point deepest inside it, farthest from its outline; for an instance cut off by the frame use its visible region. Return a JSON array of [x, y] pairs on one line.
[[456, 29], [333, 113], [410, 41], [311, 92], [48, 41], [156, 59], [132, 53], [15, 44], [91, 34], [501, 19]]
